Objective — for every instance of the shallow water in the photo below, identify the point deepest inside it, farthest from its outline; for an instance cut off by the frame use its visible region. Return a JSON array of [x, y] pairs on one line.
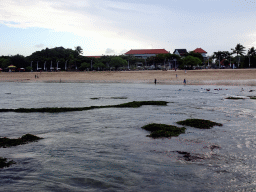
[[106, 149]]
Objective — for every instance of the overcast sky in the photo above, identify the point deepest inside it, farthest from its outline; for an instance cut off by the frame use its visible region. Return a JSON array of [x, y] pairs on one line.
[[107, 27]]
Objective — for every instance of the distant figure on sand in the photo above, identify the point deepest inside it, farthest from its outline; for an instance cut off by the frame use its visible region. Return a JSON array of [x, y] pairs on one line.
[[176, 76], [184, 82], [155, 81], [185, 71]]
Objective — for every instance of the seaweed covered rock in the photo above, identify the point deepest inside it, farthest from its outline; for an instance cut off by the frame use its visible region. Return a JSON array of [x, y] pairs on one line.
[[199, 123], [235, 98], [5, 163], [6, 142], [133, 104], [162, 130]]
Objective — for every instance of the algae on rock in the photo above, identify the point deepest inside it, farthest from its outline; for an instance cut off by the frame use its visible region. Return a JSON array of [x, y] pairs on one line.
[[5, 163], [133, 104], [162, 130], [6, 142], [199, 123]]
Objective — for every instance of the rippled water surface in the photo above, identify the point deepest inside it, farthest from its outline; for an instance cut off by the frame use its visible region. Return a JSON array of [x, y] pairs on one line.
[[106, 149]]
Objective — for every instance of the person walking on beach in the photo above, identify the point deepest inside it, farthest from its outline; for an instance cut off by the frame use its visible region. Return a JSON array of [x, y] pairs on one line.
[[184, 82], [155, 81]]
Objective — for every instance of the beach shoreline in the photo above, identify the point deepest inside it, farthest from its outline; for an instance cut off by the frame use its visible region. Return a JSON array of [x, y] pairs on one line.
[[236, 77]]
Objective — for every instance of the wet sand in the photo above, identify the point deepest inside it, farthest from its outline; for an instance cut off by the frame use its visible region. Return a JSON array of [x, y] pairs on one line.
[[193, 77]]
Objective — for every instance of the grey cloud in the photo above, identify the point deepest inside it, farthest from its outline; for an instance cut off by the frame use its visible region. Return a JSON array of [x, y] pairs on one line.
[[39, 45], [109, 51]]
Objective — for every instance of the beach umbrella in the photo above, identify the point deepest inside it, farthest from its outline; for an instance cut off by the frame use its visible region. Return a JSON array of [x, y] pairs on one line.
[[11, 66]]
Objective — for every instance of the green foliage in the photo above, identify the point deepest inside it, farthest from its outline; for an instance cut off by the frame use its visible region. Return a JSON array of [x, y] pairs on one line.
[[106, 60], [162, 130], [28, 68], [5, 163], [239, 49], [173, 56], [84, 66], [198, 123], [53, 55], [5, 62], [98, 65], [251, 51], [6, 142], [134, 104], [191, 61], [160, 58], [117, 62], [252, 97], [79, 50], [19, 61], [197, 55]]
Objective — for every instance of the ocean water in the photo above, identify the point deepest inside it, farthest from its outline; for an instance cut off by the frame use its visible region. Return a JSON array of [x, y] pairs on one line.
[[106, 149]]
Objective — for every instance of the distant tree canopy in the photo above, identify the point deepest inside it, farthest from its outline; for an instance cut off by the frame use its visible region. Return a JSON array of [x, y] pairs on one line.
[[85, 66], [117, 62], [5, 61], [99, 65], [198, 55], [191, 61], [50, 57], [19, 61], [68, 59]]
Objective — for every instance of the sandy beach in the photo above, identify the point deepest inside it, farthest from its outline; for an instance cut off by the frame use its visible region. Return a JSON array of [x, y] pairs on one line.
[[193, 77]]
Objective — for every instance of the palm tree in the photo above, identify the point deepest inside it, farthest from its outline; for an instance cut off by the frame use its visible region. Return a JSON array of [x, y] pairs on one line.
[[239, 50], [79, 50], [251, 52], [229, 57], [218, 55]]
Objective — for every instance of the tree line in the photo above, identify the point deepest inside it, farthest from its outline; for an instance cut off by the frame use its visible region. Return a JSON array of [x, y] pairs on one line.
[[60, 58], [241, 58]]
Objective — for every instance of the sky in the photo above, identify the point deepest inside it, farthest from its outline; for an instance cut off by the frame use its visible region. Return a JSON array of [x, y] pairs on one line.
[[113, 27]]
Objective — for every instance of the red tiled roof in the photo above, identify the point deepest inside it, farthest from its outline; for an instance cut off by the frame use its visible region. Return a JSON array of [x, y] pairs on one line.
[[199, 50], [146, 51], [94, 56]]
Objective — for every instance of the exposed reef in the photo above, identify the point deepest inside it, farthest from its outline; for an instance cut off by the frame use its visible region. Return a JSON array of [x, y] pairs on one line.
[[5, 163], [162, 130], [199, 123], [235, 98], [6, 142], [133, 104]]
